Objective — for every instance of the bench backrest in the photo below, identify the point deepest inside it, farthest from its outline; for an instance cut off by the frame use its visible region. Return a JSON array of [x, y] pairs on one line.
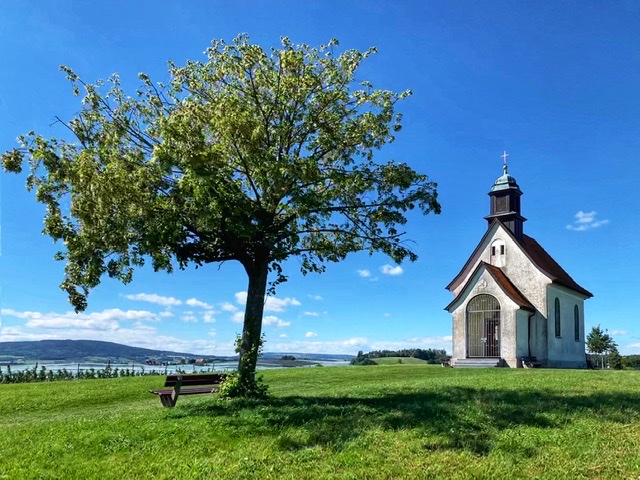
[[195, 379]]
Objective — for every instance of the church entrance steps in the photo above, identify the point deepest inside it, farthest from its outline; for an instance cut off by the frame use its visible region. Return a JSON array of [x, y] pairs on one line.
[[479, 362]]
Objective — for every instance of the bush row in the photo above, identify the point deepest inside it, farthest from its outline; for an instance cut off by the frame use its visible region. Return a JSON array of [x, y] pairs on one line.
[[43, 374]]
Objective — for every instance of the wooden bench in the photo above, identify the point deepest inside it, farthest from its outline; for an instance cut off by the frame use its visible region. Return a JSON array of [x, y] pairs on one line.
[[195, 384]]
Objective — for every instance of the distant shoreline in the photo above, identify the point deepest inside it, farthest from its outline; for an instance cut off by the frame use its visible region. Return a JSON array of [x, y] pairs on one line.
[[223, 366]]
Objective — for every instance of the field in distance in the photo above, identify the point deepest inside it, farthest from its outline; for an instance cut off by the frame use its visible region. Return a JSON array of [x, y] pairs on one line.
[[399, 361], [377, 422]]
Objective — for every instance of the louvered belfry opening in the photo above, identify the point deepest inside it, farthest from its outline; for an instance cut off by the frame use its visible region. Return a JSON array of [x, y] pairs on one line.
[[483, 327]]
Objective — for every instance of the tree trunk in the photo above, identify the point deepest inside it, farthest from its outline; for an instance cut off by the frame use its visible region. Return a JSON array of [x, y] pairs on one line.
[[252, 329]]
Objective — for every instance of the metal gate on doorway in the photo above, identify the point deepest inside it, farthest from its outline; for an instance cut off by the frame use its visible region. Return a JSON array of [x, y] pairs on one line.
[[483, 327]]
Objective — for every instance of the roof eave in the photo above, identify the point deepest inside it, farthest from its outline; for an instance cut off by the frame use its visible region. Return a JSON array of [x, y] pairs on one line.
[[475, 251], [528, 306]]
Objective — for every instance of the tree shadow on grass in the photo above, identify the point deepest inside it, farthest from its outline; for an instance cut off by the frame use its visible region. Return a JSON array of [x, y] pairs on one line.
[[452, 418]]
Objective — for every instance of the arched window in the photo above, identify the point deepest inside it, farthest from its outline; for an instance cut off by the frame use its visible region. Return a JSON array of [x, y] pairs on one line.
[[557, 317], [576, 322]]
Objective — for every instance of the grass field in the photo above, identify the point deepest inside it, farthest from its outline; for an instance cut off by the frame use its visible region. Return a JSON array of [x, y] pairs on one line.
[[390, 422]]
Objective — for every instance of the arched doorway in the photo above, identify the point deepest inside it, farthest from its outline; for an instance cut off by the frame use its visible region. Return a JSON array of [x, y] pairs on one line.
[[483, 327]]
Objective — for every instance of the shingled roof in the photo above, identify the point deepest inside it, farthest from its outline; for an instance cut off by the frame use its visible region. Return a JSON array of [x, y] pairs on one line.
[[505, 285], [509, 288], [549, 266]]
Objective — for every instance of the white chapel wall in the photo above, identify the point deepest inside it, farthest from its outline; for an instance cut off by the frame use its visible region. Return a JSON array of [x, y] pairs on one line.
[[564, 351], [531, 282]]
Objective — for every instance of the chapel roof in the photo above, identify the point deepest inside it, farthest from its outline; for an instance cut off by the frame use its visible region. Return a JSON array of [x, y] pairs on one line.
[[505, 182], [538, 255], [505, 285], [548, 265], [509, 288]]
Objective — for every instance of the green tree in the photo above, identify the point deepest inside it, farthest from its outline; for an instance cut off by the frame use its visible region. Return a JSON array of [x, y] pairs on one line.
[[615, 359], [599, 342], [252, 155]]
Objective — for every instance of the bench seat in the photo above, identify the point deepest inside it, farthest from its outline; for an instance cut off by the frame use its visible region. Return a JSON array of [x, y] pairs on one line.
[[193, 384]]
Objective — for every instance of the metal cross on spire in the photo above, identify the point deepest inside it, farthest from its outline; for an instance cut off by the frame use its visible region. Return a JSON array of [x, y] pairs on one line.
[[504, 158]]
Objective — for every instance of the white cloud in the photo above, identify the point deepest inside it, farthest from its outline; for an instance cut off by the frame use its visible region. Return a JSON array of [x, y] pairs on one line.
[[586, 221], [620, 333], [364, 273], [274, 304], [13, 313], [310, 334], [391, 270], [283, 335], [238, 317], [271, 304], [310, 314], [208, 317], [194, 302], [387, 314], [352, 345], [275, 321], [631, 349], [316, 297], [212, 333], [105, 320], [138, 335], [228, 307], [153, 298], [347, 346], [189, 318], [165, 314], [14, 334]]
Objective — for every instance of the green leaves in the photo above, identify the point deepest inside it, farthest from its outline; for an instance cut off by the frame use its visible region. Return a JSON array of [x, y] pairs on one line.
[[599, 341], [251, 155]]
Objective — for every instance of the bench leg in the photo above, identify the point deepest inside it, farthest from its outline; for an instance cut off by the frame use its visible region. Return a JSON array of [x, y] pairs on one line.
[[168, 401]]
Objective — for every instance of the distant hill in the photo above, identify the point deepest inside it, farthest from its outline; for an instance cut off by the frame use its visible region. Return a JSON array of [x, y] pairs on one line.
[[97, 351], [83, 350]]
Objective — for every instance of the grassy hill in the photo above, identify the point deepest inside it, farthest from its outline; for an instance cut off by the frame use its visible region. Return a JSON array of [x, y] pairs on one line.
[[80, 350], [379, 422], [97, 351]]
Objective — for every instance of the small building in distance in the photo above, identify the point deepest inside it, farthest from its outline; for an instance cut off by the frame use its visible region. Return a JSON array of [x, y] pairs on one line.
[[513, 304]]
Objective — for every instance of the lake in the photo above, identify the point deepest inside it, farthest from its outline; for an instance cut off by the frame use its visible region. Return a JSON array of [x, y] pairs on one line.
[[161, 369]]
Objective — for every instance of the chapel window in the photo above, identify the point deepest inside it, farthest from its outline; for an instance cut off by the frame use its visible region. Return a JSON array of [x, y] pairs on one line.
[[576, 322], [498, 249], [557, 317]]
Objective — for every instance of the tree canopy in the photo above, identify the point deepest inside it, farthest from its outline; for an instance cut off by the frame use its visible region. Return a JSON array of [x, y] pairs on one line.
[[600, 342], [252, 155]]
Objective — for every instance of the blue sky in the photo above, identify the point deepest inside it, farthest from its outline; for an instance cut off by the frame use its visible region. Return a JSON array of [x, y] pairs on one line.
[[555, 84]]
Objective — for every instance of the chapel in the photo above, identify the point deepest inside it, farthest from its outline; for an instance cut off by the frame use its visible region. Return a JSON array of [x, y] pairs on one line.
[[513, 304]]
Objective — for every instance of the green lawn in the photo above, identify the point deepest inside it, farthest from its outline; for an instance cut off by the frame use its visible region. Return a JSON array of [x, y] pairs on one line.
[[373, 422]]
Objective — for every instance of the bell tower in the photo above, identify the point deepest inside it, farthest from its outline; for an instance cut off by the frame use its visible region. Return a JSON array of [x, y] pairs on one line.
[[505, 202]]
